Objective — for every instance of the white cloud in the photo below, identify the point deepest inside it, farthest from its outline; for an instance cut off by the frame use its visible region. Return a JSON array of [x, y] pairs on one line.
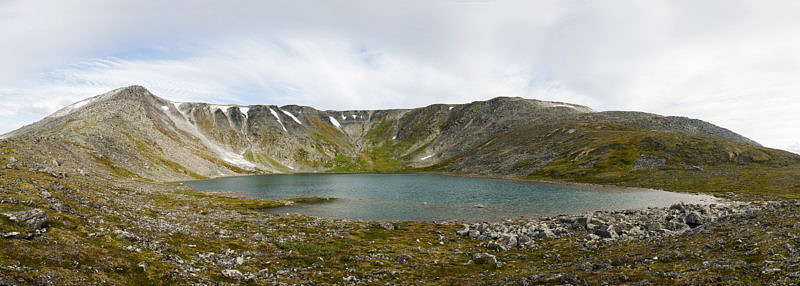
[[795, 148], [734, 64]]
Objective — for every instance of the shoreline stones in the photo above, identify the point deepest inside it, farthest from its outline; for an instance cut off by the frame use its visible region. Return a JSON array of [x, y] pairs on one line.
[[603, 225]]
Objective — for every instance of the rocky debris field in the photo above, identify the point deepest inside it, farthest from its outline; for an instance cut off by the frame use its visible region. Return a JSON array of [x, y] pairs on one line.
[[606, 226], [97, 228]]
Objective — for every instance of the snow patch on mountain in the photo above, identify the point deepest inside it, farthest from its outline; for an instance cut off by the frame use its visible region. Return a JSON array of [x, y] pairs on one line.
[[291, 115], [244, 110], [334, 122], [226, 155], [278, 118]]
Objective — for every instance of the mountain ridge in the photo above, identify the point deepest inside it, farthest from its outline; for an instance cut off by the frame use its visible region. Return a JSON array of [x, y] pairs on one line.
[[133, 132]]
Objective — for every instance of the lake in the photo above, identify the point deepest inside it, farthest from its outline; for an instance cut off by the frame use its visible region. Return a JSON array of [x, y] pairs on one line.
[[427, 197]]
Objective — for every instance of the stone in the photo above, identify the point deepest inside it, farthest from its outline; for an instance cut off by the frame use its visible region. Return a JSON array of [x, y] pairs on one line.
[[142, 265], [35, 219], [464, 231], [545, 233], [678, 207], [608, 232], [386, 225], [675, 225], [693, 219], [508, 241], [233, 274], [484, 258], [570, 279], [121, 234], [12, 234], [653, 226], [403, 258], [523, 240]]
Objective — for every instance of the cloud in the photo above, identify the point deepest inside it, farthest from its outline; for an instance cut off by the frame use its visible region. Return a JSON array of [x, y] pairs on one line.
[[731, 63], [795, 148]]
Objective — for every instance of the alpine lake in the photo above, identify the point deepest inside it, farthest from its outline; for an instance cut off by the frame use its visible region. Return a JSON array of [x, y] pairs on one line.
[[434, 197]]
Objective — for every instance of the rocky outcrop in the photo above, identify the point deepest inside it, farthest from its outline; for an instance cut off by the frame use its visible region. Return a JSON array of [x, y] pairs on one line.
[[35, 219], [605, 225]]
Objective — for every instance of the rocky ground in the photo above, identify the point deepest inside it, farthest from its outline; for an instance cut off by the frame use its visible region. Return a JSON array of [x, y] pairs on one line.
[[66, 226], [606, 226]]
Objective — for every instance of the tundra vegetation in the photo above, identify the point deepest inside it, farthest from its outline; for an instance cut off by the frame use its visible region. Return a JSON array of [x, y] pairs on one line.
[[86, 198]]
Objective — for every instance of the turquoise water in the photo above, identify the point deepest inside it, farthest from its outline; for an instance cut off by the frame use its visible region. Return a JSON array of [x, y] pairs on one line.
[[426, 197]]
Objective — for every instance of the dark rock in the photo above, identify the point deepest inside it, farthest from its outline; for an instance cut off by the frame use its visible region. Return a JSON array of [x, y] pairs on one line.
[[571, 279], [694, 219], [403, 258], [484, 258]]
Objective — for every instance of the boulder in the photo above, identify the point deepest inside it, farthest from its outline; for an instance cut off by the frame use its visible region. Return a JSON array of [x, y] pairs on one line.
[[403, 258], [233, 274], [676, 225], [694, 219], [121, 234], [484, 258], [607, 232], [142, 266], [386, 225], [34, 219], [653, 226]]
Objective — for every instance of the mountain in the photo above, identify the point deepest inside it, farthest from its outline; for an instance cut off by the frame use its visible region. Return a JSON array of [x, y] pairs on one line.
[[132, 133]]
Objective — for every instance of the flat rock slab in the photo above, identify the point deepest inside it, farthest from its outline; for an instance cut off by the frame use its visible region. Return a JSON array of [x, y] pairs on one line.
[[34, 219]]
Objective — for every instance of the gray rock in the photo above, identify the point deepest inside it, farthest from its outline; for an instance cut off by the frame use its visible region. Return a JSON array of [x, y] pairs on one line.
[[649, 162], [606, 233], [545, 233], [386, 225], [675, 225], [484, 258], [142, 265], [508, 241], [35, 219], [678, 207], [694, 219], [523, 240], [13, 234], [121, 234], [233, 274], [403, 258], [653, 226]]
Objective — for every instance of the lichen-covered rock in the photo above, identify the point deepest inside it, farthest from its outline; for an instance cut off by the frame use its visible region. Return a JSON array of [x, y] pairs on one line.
[[484, 258], [233, 274], [603, 225], [34, 219]]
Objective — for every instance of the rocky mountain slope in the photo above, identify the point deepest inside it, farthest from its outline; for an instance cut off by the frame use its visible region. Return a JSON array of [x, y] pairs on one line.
[[133, 132], [83, 199]]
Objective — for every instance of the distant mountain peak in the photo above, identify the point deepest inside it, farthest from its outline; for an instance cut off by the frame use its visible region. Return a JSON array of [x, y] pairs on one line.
[[133, 90]]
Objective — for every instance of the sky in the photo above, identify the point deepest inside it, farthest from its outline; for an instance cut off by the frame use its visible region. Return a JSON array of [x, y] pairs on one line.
[[733, 63]]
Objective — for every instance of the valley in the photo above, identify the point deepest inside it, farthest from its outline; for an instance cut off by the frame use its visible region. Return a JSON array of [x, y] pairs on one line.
[[103, 170]]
